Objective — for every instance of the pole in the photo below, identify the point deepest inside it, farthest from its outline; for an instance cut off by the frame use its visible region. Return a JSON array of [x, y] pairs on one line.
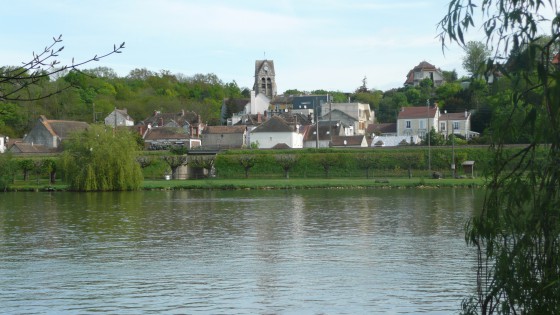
[[330, 116], [453, 152], [428, 129], [316, 122]]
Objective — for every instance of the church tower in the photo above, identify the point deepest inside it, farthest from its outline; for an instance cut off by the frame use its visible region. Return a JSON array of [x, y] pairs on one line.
[[265, 82]]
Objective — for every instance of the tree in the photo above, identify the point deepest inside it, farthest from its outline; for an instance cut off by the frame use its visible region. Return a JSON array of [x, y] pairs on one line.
[[327, 161], [287, 162], [101, 159], [49, 166], [476, 55], [247, 162], [367, 161], [8, 168], [174, 161], [26, 166], [16, 82], [517, 233], [203, 162]]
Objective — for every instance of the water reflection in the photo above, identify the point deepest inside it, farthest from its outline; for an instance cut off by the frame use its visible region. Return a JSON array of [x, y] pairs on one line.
[[244, 252]]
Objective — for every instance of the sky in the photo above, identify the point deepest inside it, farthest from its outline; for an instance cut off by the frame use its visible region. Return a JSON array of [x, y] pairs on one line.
[[315, 44]]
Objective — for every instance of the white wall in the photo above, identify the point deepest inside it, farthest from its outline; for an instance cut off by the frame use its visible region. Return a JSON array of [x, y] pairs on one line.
[[268, 140]]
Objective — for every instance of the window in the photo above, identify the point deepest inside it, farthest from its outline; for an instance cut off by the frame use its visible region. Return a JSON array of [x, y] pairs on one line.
[[442, 126], [455, 125], [422, 124], [408, 124]]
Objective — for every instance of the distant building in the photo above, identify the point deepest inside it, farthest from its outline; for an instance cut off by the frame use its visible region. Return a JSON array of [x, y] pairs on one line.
[[458, 124], [265, 79], [190, 122], [417, 120], [49, 134], [118, 118], [424, 70]]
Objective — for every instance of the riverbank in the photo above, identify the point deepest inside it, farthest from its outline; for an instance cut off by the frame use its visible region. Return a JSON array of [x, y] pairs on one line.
[[298, 183]]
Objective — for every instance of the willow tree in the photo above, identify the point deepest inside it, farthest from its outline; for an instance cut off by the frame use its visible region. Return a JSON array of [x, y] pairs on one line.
[[517, 232], [101, 159]]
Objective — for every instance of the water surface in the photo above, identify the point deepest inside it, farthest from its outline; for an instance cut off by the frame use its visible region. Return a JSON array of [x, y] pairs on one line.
[[236, 252]]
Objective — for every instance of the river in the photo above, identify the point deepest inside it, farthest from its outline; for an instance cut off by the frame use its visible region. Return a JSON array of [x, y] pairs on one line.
[[394, 251]]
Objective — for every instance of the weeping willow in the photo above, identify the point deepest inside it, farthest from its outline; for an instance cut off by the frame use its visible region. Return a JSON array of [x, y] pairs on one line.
[[101, 159], [516, 235]]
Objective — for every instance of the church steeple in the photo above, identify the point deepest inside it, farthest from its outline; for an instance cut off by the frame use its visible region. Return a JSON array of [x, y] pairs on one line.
[[265, 82]]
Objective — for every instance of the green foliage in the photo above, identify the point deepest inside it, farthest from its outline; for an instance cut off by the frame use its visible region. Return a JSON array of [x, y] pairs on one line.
[[517, 233], [26, 165], [247, 162], [8, 168], [287, 162], [101, 159], [476, 55], [174, 162]]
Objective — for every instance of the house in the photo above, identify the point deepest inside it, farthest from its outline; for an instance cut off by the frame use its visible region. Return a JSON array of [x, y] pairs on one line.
[[190, 122], [456, 123], [393, 141], [119, 117], [327, 130], [424, 70], [224, 136], [358, 115], [275, 131], [162, 138], [51, 133], [417, 120], [356, 141]]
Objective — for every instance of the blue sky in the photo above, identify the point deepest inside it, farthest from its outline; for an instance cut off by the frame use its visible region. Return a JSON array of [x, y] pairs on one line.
[[315, 44]]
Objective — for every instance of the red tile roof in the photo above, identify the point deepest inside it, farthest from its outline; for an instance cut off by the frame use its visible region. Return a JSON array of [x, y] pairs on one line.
[[417, 112]]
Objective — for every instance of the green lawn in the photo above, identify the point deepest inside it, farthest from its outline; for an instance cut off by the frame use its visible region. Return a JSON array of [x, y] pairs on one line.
[[310, 183], [275, 183]]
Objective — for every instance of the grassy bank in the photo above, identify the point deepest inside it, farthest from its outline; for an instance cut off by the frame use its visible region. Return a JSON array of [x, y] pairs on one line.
[[298, 183]]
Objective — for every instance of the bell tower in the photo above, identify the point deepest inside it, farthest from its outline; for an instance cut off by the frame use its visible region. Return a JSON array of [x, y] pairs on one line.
[[265, 82]]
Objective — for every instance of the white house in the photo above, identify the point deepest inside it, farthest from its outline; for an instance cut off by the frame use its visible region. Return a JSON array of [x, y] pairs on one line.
[[119, 117], [277, 131], [456, 123], [417, 120]]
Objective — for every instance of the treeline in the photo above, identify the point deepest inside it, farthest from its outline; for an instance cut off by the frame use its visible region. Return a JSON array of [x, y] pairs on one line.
[[90, 95]]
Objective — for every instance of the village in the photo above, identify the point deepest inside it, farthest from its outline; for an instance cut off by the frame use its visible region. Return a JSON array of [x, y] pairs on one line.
[[270, 121]]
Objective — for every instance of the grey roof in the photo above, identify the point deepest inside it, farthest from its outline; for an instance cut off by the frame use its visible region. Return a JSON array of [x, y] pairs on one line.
[[165, 133], [350, 140], [224, 129], [274, 124]]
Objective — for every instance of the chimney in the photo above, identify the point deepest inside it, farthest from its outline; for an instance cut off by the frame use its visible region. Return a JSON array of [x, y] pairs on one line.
[[182, 112], [466, 114], [259, 118]]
